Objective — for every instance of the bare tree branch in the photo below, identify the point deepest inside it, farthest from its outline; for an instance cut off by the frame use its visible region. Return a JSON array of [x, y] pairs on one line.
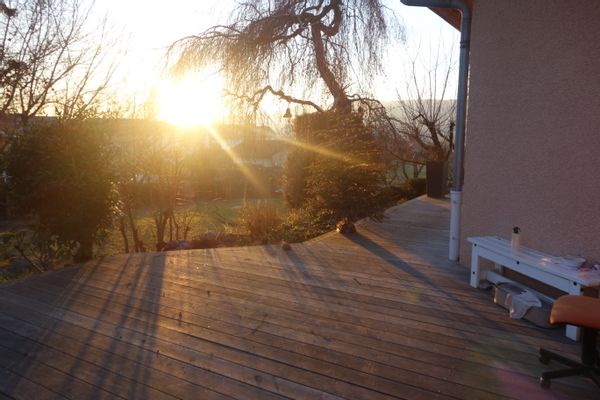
[[427, 117], [6, 10], [300, 46], [256, 98], [48, 58]]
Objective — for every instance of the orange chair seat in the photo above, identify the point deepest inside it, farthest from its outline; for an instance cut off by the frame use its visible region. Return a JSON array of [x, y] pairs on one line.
[[576, 310]]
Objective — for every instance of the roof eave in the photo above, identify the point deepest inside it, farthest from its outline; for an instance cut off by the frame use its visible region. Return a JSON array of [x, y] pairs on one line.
[[451, 15]]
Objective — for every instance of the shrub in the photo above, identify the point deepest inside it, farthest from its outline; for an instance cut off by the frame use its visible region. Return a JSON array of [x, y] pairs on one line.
[[260, 220], [337, 167], [60, 183], [302, 224], [414, 187], [294, 177], [40, 249]]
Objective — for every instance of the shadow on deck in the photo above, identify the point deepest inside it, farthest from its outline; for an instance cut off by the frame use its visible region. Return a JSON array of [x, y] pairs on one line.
[[376, 315]]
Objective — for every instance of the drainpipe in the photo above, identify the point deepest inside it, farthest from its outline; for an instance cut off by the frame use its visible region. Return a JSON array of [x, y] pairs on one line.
[[461, 108]]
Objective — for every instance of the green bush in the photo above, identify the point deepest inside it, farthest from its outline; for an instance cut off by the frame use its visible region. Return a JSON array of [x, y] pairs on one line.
[[61, 184]]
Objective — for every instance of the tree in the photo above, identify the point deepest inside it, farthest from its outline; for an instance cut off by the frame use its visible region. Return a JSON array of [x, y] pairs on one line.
[[426, 121], [166, 160], [344, 177], [127, 158], [6, 10], [47, 58], [60, 183], [301, 49], [288, 47]]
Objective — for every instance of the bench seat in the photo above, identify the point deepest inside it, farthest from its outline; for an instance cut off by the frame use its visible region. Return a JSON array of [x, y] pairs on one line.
[[548, 269]]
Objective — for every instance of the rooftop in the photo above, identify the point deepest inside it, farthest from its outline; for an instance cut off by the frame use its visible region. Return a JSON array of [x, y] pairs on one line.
[[260, 149], [377, 315]]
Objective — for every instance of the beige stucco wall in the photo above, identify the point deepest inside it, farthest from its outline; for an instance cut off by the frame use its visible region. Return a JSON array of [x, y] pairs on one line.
[[533, 130]]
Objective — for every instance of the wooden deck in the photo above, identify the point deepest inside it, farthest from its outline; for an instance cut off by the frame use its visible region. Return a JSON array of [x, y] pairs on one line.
[[377, 315]]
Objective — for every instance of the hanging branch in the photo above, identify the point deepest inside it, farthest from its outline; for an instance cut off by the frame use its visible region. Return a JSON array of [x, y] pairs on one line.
[[315, 46], [256, 98]]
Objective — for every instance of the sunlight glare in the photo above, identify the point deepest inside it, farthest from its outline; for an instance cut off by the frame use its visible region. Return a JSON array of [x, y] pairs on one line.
[[192, 100]]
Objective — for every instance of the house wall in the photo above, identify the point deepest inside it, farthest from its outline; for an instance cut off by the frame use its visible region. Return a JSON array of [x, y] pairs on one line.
[[533, 129]]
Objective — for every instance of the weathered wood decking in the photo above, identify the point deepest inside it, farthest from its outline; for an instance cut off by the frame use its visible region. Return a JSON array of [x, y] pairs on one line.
[[377, 315]]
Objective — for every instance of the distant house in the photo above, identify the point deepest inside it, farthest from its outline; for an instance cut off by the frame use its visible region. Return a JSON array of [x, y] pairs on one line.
[[249, 145], [232, 135], [533, 124], [12, 123], [264, 153]]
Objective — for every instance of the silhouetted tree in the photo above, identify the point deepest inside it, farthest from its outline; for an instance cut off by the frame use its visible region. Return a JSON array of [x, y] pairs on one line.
[[49, 57], [344, 177], [324, 50], [293, 48], [6, 10], [426, 118], [61, 183]]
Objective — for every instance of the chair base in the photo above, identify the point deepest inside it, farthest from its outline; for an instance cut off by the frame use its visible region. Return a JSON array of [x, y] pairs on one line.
[[576, 368]]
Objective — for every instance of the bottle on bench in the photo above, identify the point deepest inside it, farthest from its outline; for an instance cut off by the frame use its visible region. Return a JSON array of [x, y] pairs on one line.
[[515, 240]]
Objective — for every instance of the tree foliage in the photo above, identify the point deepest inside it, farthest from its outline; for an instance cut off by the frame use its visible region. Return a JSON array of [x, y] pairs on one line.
[[61, 184], [338, 168], [289, 47]]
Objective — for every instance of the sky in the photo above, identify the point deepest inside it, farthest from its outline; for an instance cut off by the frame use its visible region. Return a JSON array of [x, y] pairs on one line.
[[145, 29]]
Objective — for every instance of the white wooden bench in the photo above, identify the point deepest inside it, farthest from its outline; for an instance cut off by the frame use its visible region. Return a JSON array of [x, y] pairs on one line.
[[545, 268]]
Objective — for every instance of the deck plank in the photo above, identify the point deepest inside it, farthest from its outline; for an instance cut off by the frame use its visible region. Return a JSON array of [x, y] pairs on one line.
[[330, 340], [380, 314], [330, 350], [340, 380]]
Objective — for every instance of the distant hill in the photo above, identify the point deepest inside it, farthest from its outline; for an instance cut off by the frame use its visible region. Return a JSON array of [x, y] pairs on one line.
[[394, 108]]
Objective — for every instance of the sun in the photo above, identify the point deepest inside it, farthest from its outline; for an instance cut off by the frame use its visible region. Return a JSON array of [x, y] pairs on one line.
[[192, 100]]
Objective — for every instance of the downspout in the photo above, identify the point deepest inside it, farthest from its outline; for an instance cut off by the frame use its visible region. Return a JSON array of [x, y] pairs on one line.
[[461, 112]]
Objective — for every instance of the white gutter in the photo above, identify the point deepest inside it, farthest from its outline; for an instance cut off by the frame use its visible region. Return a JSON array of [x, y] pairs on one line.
[[461, 112]]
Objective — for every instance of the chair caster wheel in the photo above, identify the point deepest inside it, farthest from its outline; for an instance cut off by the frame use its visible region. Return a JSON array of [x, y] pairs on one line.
[[544, 360], [545, 383]]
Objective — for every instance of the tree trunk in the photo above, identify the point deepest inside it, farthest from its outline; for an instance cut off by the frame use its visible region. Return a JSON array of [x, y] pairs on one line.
[[417, 169], [137, 244], [123, 230], [404, 171], [340, 98], [160, 221], [85, 250]]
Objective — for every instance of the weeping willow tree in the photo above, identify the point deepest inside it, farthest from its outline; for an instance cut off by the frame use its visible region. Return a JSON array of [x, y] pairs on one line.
[[322, 55], [295, 50]]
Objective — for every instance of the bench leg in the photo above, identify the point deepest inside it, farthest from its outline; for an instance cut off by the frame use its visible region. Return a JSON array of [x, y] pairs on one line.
[[573, 332], [499, 268], [475, 270]]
